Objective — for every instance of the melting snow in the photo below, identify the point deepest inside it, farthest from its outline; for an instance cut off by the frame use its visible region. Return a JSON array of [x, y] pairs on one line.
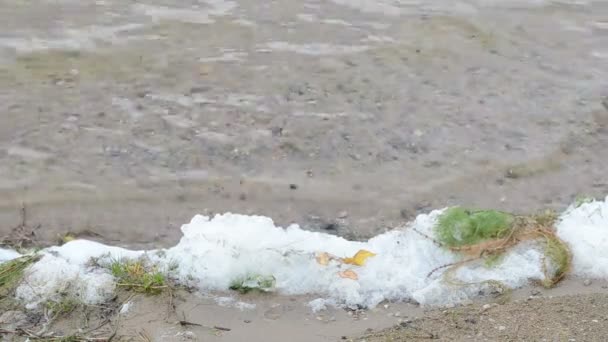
[[7, 254], [213, 252]]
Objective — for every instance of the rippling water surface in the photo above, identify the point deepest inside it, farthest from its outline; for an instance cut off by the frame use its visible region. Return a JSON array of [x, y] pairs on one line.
[[126, 118]]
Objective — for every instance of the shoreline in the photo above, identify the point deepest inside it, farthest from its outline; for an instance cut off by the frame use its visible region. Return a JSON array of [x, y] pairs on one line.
[[86, 278], [287, 318]]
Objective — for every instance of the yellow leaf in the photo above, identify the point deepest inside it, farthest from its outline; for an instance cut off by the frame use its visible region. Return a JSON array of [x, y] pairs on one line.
[[323, 258], [359, 258], [67, 238], [348, 274]]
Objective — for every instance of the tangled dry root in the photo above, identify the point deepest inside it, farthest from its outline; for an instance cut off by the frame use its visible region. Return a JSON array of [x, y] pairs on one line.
[[557, 256]]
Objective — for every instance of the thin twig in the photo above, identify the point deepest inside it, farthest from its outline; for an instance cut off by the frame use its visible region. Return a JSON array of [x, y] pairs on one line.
[[221, 328], [186, 323], [428, 237]]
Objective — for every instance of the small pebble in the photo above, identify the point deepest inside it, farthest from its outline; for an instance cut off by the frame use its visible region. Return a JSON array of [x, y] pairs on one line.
[[397, 314], [247, 321], [486, 307], [343, 214], [293, 186], [502, 327], [277, 131], [587, 282], [535, 292]]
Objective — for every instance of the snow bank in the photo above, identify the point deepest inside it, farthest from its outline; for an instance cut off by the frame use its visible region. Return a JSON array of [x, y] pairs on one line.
[[68, 270], [214, 252], [7, 255], [585, 229]]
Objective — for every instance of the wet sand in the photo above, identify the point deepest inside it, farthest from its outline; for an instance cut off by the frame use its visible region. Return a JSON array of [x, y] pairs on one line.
[[526, 314]]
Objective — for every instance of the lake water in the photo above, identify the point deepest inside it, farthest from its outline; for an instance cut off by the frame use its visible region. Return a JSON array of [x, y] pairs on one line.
[[125, 119]]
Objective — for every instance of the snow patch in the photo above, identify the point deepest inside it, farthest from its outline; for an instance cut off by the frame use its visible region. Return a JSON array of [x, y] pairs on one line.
[[8, 255], [68, 270], [214, 252], [124, 309], [585, 230]]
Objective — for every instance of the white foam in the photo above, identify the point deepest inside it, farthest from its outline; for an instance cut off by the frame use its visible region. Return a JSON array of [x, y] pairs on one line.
[[85, 38], [372, 6], [194, 15], [317, 49], [214, 252], [161, 13], [27, 153]]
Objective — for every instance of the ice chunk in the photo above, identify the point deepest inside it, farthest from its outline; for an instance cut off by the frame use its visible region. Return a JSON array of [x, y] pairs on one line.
[[585, 230], [8, 255]]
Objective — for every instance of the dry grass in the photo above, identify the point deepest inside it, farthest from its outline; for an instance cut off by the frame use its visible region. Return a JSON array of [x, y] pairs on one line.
[[135, 275], [11, 273]]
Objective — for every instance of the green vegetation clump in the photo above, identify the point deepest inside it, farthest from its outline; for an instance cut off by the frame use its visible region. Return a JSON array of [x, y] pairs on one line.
[[253, 283], [559, 254], [488, 234], [580, 200], [134, 275], [62, 307], [459, 227]]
